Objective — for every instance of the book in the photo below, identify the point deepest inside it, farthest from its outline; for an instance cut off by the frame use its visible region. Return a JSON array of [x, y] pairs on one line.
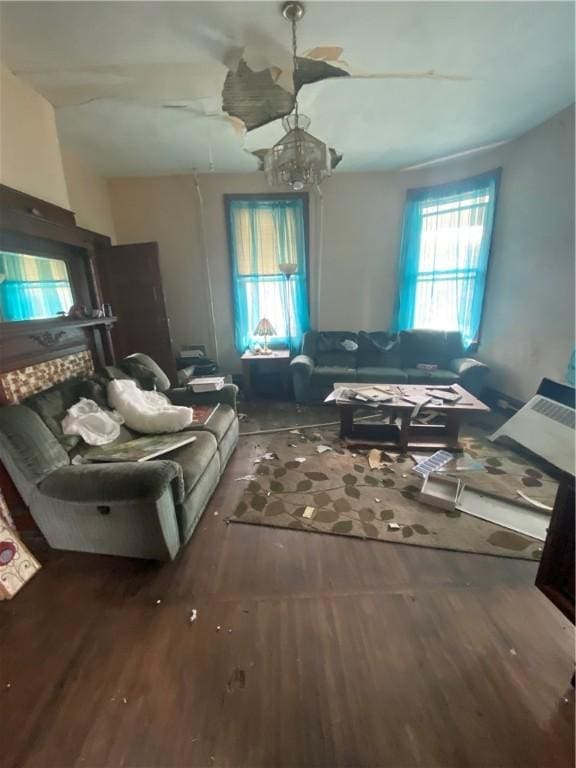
[[202, 415], [140, 449], [206, 384]]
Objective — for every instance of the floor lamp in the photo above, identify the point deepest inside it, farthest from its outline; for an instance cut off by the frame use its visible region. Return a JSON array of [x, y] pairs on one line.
[[288, 269]]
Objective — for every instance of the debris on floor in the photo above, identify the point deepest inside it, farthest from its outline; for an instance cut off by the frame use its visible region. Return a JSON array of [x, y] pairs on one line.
[[378, 459], [308, 512], [513, 652], [323, 448], [535, 503], [193, 615], [246, 477], [266, 457], [295, 432], [432, 463], [158, 601], [393, 527], [300, 459], [442, 492]]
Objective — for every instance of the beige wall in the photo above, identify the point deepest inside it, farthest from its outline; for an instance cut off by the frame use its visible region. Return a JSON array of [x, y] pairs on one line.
[[355, 234], [30, 158], [88, 195]]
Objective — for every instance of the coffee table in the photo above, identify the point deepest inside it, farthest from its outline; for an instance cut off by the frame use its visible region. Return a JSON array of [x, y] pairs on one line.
[[409, 435]]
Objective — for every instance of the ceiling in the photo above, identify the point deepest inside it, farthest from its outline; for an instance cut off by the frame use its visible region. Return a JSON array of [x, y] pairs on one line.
[[137, 86]]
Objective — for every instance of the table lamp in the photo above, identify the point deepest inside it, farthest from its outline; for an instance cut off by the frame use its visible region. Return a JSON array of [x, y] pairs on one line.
[[265, 328]]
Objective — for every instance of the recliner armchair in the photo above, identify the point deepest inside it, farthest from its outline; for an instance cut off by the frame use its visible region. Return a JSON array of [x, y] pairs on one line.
[[148, 509]]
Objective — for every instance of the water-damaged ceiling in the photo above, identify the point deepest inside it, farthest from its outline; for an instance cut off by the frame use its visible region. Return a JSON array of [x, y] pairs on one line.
[[145, 88]]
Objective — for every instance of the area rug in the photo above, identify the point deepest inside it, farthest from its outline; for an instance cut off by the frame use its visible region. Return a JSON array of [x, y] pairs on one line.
[[295, 486]]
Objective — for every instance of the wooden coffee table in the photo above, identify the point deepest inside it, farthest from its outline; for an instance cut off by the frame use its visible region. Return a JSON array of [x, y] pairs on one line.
[[409, 435]]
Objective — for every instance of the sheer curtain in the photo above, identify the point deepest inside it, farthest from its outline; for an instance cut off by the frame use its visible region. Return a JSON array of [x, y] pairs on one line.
[[263, 233], [33, 287], [444, 255]]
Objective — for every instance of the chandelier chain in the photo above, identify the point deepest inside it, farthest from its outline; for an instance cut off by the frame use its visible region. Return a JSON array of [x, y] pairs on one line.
[[294, 66]]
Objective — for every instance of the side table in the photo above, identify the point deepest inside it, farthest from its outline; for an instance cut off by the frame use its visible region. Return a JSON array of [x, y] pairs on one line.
[[277, 361]]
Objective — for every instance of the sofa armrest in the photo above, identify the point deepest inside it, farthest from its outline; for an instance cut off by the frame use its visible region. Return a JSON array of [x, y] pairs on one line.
[[114, 481], [301, 369], [472, 373], [302, 365], [187, 397]]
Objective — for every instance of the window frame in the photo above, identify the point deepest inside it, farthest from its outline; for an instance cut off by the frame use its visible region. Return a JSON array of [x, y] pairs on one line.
[[459, 186], [248, 196]]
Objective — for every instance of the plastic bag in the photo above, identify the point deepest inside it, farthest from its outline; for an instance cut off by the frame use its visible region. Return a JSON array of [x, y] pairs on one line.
[[94, 425]]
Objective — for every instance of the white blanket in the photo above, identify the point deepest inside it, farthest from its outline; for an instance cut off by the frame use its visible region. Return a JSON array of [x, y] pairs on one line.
[[94, 425], [147, 412]]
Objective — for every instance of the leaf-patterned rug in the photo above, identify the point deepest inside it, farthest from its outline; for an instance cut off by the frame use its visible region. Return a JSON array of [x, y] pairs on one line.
[[336, 492]]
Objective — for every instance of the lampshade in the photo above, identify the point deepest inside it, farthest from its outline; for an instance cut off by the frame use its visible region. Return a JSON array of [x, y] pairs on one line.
[[288, 268], [264, 328]]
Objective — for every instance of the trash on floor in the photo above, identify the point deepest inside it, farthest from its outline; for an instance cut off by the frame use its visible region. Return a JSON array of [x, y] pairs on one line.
[[440, 492], [266, 457], [295, 432], [300, 459], [193, 615], [308, 512], [535, 503], [323, 448], [508, 513], [432, 463], [393, 527], [246, 477], [378, 459]]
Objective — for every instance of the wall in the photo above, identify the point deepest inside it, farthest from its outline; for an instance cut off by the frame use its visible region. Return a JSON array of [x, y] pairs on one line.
[[30, 158], [355, 236], [88, 195]]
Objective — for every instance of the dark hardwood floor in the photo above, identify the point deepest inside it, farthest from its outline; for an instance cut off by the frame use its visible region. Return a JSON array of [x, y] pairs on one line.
[[331, 652]]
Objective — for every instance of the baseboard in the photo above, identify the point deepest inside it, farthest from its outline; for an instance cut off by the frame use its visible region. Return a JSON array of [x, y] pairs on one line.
[[499, 401]]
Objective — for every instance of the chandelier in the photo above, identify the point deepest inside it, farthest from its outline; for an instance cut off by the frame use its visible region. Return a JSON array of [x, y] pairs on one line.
[[298, 160]]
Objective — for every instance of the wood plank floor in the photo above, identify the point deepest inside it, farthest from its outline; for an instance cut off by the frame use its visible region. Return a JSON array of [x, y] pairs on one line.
[[332, 652]]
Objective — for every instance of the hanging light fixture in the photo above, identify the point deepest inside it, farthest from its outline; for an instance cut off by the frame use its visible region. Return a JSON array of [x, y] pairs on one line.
[[298, 160]]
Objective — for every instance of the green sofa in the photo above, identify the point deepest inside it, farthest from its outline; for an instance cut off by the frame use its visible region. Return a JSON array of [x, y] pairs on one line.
[[411, 357], [148, 509]]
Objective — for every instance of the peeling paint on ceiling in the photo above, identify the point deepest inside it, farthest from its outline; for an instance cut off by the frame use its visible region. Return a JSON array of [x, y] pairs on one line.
[[155, 88], [256, 98]]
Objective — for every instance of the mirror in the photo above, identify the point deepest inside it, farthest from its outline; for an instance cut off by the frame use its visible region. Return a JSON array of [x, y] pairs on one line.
[[33, 287]]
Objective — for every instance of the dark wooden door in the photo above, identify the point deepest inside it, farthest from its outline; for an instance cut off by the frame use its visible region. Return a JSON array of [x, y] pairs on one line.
[[131, 282]]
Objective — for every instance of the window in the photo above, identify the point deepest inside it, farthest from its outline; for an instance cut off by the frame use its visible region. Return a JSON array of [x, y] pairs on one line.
[[444, 256], [264, 232]]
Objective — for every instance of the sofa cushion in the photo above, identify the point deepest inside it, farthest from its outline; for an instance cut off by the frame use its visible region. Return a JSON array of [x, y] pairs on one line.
[[439, 376], [429, 347], [29, 444], [331, 351], [381, 374], [378, 348], [324, 375], [194, 458]]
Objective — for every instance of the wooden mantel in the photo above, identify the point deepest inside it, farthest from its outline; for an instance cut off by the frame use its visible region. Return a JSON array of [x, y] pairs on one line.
[[33, 341]]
